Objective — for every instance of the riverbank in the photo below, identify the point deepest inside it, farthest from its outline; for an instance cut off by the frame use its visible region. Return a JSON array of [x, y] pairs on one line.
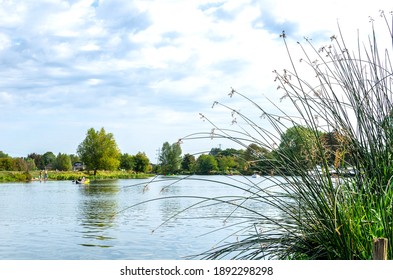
[[18, 176]]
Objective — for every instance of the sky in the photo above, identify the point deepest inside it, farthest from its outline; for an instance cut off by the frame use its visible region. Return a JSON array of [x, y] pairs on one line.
[[145, 69]]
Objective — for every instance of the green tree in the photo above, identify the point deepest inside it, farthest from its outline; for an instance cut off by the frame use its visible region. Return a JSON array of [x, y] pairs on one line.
[[188, 163], [20, 164], [3, 155], [299, 146], [206, 164], [99, 151], [215, 152], [48, 160], [337, 149], [127, 162], [30, 163], [142, 163], [258, 158], [7, 164], [63, 162], [170, 158], [226, 163], [74, 158], [231, 152], [36, 158], [254, 152]]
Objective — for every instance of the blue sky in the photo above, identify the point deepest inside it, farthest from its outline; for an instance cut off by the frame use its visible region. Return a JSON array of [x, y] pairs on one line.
[[145, 69]]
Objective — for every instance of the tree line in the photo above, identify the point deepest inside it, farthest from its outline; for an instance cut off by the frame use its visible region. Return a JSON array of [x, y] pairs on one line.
[[99, 151], [297, 144]]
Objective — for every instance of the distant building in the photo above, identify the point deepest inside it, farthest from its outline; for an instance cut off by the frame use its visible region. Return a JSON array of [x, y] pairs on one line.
[[78, 166]]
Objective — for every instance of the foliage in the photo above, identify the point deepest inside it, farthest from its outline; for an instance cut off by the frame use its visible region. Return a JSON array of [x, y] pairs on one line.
[[15, 176], [226, 164], [30, 164], [99, 151], [170, 158], [299, 146], [36, 158], [7, 164], [16, 164], [20, 164], [259, 159], [127, 162], [23, 176], [74, 158], [63, 162], [142, 163], [188, 163], [3, 155], [48, 160], [337, 149], [206, 164]]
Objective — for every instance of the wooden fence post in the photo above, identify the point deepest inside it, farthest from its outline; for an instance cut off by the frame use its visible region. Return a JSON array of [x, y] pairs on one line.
[[380, 249]]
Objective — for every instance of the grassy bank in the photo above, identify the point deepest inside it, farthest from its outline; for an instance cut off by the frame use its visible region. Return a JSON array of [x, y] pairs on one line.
[[17, 176], [14, 176]]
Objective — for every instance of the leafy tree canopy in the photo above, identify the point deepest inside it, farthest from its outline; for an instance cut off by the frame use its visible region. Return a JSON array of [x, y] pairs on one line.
[[3, 155], [99, 151], [127, 162], [206, 164], [63, 162], [170, 158], [188, 163], [48, 160], [142, 162], [299, 145]]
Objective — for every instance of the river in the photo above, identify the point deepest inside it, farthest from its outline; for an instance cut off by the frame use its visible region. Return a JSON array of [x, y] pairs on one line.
[[112, 220]]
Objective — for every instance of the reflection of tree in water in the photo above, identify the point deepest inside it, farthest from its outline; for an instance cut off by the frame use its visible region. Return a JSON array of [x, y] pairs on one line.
[[170, 207], [97, 209]]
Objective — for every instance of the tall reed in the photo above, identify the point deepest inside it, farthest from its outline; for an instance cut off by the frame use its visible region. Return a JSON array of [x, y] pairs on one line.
[[348, 93]]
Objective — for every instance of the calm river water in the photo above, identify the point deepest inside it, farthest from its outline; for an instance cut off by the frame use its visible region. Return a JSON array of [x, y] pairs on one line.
[[60, 220]]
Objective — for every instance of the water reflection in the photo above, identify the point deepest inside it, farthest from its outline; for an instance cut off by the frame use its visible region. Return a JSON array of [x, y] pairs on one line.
[[169, 210], [98, 222], [98, 206]]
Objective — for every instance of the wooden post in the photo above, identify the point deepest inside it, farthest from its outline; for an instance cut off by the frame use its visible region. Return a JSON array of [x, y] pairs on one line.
[[380, 249]]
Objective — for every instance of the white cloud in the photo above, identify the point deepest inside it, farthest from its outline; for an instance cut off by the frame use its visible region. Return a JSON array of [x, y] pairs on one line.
[[93, 82], [6, 98], [5, 42], [62, 51]]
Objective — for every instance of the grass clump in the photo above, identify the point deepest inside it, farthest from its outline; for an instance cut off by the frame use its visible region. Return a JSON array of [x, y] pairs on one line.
[[343, 115]]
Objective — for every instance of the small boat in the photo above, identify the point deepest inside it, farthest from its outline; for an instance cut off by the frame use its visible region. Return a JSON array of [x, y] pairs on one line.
[[255, 175], [82, 181]]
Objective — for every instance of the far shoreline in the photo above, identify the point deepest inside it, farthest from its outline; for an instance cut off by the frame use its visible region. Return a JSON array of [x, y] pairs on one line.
[[53, 175]]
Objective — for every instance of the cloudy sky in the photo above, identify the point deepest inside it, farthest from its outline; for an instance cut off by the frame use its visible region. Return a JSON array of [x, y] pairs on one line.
[[145, 69]]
